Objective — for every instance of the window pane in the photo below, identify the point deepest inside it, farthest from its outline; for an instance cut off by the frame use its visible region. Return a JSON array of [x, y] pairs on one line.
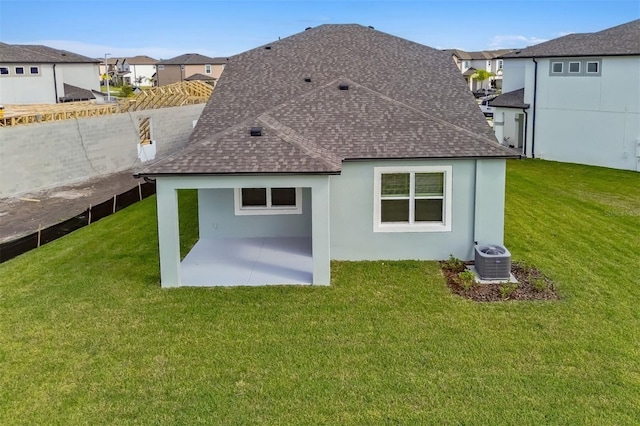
[[428, 211], [429, 184], [574, 66], [395, 185], [283, 197], [4, 70], [557, 67], [19, 70], [34, 70], [254, 197], [394, 210], [592, 67]]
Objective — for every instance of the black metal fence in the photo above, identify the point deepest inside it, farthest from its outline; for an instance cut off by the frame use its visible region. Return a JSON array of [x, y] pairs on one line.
[[92, 214]]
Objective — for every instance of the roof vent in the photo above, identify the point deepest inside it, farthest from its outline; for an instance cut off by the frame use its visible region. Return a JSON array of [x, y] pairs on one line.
[[343, 86], [256, 131], [307, 29], [267, 47], [371, 27], [307, 79]]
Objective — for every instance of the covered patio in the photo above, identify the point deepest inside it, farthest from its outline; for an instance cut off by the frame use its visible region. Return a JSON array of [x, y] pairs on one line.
[[243, 251], [248, 261]]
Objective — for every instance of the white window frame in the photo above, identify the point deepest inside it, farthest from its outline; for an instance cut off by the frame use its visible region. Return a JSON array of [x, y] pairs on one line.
[[412, 226], [586, 69], [207, 69], [15, 70], [500, 64], [268, 209], [31, 67], [7, 73], [574, 72], [553, 71]]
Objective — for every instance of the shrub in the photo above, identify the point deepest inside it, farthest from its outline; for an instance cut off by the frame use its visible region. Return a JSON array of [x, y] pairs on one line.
[[507, 289], [539, 284], [126, 91], [453, 264], [466, 279]]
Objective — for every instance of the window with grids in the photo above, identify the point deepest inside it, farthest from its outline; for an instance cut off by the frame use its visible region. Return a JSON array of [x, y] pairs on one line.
[[412, 199], [256, 201]]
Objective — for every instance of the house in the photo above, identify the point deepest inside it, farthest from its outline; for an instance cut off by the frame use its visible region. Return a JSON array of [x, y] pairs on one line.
[[34, 74], [312, 148], [181, 67], [489, 60], [137, 71], [575, 99]]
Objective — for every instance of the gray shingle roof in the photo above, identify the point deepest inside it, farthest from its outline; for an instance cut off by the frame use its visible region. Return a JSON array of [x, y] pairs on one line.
[[74, 93], [620, 40], [17, 53], [141, 60], [485, 54], [513, 99], [405, 100], [201, 77], [193, 59]]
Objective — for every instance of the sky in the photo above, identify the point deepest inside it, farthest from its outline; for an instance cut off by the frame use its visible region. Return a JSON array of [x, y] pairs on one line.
[[164, 29]]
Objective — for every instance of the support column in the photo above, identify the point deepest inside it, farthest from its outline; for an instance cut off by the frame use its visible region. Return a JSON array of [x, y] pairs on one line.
[[168, 234], [320, 232]]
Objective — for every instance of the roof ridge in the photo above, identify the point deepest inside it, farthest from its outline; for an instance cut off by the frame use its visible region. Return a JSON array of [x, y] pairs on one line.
[[424, 114], [304, 144]]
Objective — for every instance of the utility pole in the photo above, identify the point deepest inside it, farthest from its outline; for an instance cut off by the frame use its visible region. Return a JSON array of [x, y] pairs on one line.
[[106, 75]]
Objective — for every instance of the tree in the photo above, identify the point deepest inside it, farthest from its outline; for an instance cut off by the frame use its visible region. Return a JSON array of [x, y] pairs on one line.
[[482, 75]]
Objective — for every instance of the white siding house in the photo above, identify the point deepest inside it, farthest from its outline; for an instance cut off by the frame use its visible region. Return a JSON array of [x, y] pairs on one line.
[[575, 99], [37, 74]]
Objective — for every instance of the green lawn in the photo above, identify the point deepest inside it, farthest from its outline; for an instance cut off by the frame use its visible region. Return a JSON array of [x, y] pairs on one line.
[[88, 337]]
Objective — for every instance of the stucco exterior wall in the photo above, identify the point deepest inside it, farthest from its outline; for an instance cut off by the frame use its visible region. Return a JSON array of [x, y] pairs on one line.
[[352, 201], [40, 89], [85, 76], [28, 89], [218, 219], [170, 74], [591, 120], [474, 218], [45, 155]]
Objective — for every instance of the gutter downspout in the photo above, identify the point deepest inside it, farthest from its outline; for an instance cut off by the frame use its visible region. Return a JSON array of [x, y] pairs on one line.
[[535, 105], [55, 83], [475, 202], [526, 124]]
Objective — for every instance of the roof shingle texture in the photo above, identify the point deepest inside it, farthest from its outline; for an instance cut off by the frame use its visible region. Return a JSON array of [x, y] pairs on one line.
[[620, 40], [193, 59], [513, 99], [405, 100], [17, 53]]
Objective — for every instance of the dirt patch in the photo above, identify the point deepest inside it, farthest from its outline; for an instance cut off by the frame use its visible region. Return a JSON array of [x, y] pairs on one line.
[[532, 284], [25, 213]]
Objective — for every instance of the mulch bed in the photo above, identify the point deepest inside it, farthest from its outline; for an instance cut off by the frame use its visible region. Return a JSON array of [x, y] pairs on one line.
[[532, 285]]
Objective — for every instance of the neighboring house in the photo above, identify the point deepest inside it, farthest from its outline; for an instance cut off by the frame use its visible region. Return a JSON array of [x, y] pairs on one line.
[[313, 148], [110, 69], [575, 99], [33, 74], [137, 71], [469, 62], [181, 67]]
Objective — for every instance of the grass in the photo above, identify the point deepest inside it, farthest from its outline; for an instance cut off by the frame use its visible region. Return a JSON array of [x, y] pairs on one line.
[[87, 336]]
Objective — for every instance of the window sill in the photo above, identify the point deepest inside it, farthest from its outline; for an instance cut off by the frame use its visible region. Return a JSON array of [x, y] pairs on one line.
[[398, 227]]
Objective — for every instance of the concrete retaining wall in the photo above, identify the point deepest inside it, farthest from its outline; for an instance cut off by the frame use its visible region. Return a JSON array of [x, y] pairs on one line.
[[46, 155]]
